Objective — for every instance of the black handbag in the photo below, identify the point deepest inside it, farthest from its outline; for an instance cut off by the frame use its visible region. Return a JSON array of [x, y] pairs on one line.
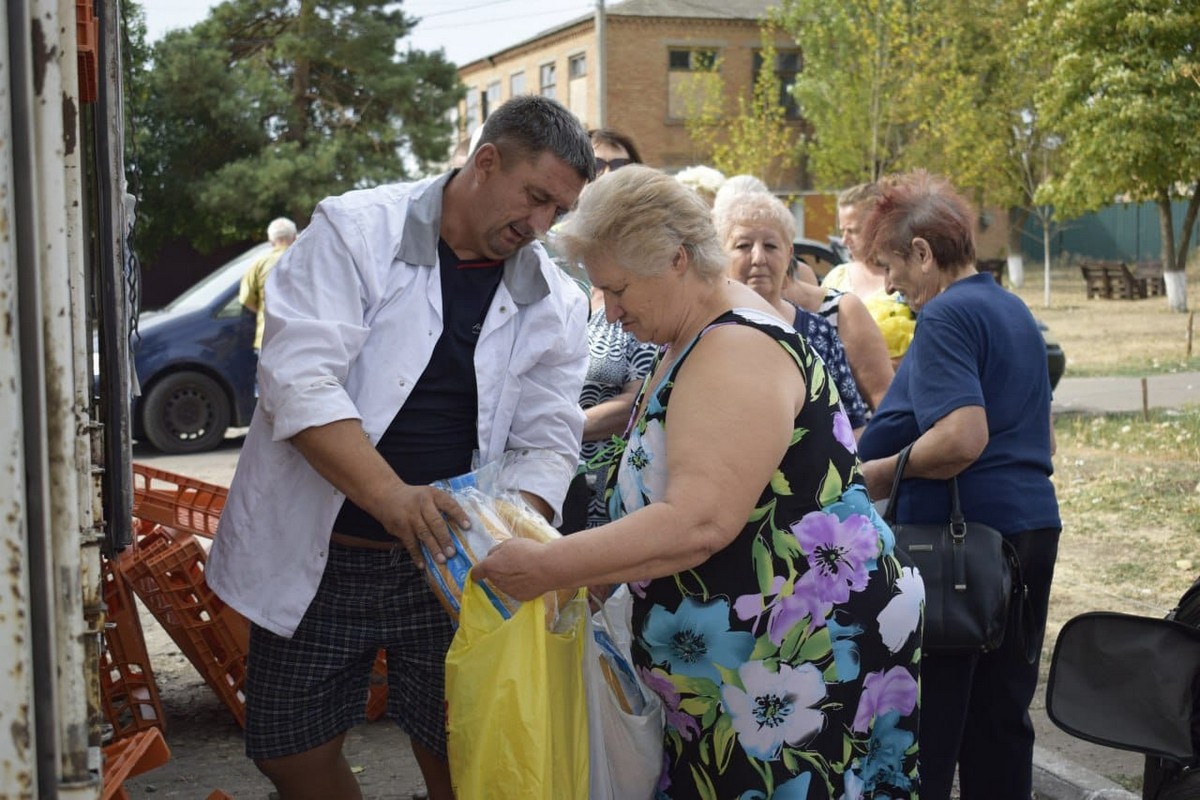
[[972, 577]]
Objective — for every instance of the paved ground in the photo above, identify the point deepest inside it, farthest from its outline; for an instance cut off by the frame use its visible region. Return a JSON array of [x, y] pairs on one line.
[[206, 743], [1106, 395]]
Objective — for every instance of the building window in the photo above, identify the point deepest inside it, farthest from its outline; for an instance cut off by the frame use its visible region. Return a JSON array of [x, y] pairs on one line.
[[689, 71], [547, 74], [692, 60], [577, 66], [473, 118], [491, 98], [787, 66], [516, 84], [577, 86]]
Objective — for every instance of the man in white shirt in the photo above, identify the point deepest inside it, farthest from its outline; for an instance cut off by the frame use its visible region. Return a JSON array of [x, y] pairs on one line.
[[409, 326]]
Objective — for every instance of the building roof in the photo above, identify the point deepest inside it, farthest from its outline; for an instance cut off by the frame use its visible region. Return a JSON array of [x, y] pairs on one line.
[[693, 9], [683, 9]]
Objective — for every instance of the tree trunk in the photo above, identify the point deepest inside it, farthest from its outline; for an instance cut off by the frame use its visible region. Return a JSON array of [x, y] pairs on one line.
[[1016, 261], [1176, 282], [1045, 263], [1174, 277], [298, 126]]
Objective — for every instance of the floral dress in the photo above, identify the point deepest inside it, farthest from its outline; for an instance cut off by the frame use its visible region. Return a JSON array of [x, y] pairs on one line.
[[787, 663], [615, 358]]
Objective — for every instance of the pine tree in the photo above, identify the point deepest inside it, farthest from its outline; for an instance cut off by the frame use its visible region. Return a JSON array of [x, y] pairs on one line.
[[267, 106]]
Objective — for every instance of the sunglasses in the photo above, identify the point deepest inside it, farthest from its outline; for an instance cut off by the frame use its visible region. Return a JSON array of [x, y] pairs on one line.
[[611, 163]]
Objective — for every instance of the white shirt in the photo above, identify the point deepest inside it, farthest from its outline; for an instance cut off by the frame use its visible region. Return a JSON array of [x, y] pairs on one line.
[[353, 313]]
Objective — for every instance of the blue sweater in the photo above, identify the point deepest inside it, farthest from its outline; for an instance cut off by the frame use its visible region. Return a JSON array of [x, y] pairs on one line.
[[976, 344]]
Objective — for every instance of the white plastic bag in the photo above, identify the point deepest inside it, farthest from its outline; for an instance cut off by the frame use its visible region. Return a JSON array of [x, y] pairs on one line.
[[625, 720]]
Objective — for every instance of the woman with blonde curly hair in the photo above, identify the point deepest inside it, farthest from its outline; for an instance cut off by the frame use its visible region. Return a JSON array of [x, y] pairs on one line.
[[770, 612]]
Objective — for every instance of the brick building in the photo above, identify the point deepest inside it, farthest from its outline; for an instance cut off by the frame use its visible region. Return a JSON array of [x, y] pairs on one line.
[[650, 49]]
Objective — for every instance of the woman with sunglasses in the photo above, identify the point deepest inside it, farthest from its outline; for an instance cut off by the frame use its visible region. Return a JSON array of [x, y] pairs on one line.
[[617, 364], [613, 150]]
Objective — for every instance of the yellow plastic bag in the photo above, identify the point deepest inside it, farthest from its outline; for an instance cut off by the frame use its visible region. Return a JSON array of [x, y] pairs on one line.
[[516, 714]]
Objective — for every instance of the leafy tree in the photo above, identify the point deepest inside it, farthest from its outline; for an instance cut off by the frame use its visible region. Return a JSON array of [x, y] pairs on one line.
[[135, 56], [978, 78], [957, 68], [268, 106], [757, 140], [852, 91], [1121, 88]]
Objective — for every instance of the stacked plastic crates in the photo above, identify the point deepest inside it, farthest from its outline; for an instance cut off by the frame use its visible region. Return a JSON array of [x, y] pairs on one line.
[[127, 690], [176, 501], [166, 570], [377, 691]]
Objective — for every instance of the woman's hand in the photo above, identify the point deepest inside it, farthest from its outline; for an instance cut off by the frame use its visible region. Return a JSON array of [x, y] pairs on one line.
[[513, 567], [878, 475]]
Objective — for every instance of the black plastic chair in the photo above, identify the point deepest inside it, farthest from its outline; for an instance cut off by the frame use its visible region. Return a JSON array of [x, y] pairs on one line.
[[1133, 683]]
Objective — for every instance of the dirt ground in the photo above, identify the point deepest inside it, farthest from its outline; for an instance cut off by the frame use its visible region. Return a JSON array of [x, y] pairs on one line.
[[206, 743]]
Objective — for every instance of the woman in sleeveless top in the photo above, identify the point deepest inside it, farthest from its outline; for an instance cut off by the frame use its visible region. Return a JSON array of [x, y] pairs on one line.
[[771, 614]]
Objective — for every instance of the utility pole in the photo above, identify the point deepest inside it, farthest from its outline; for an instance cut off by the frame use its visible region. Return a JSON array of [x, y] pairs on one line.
[[601, 63]]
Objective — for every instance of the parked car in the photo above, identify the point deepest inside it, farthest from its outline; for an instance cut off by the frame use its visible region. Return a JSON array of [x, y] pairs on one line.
[[1056, 359], [195, 363], [823, 257], [820, 256]]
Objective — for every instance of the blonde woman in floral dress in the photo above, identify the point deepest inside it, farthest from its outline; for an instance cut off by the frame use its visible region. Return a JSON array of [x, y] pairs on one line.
[[771, 614]]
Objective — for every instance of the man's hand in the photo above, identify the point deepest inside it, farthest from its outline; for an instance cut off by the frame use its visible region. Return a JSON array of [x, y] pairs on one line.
[[345, 457], [414, 515]]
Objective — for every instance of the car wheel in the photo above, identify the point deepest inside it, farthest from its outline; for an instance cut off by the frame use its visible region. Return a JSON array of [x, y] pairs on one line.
[[185, 412]]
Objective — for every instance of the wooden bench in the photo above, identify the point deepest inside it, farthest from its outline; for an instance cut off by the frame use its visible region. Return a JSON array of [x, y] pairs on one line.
[[1113, 280], [994, 267], [1151, 272]]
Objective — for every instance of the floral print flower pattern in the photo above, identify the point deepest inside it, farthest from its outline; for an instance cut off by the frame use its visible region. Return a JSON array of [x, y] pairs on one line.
[[787, 663]]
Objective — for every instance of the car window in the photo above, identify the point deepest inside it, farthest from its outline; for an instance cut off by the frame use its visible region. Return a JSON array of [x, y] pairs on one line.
[[202, 294], [232, 309]]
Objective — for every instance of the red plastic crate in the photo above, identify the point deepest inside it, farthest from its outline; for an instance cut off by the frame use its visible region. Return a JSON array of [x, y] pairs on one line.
[[133, 755], [128, 693], [177, 501], [166, 570], [377, 690], [86, 29]]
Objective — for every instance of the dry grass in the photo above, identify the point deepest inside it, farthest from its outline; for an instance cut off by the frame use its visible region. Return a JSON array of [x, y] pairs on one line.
[[1128, 489], [1112, 337], [1129, 493]]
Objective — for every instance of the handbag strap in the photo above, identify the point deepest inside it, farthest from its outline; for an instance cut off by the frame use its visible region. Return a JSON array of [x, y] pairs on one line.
[[1023, 614], [889, 512], [957, 521]]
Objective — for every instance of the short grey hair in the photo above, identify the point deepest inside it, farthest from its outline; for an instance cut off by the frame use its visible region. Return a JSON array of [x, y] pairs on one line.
[[743, 183], [754, 208], [640, 217], [281, 229], [732, 189], [530, 125]]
